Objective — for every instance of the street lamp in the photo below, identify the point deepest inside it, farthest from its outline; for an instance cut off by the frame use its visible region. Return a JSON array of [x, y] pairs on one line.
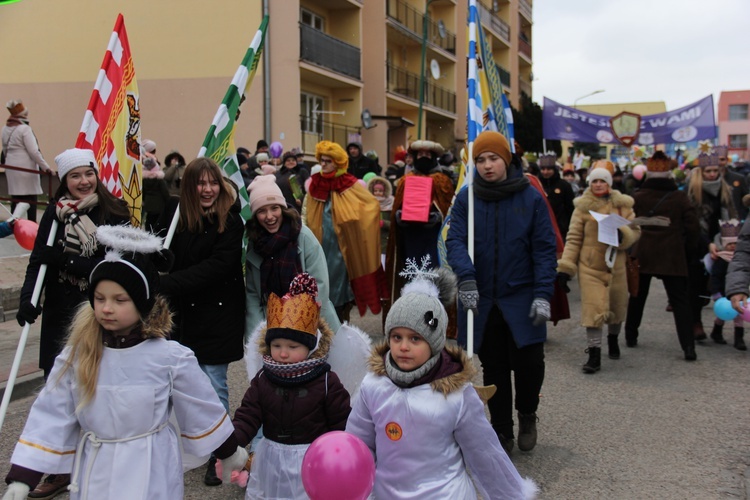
[[587, 95], [425, 21]]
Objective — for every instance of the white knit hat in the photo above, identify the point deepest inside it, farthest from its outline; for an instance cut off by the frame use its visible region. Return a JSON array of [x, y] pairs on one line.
[[73, 158], [149, 145], [600, 173]]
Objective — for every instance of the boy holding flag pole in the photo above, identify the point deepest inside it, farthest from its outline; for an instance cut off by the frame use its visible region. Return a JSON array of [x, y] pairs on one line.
[[508, 284]]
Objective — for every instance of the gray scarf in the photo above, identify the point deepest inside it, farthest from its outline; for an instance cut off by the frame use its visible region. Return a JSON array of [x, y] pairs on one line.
[[402, 378], [713, 187]]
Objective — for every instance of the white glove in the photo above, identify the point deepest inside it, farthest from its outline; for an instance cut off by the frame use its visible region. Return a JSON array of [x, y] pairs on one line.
[[540, 312], [16, 491], [234, 463]]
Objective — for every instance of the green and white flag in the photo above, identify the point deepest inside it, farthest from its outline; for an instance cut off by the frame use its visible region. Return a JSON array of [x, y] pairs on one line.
[[219, 142]]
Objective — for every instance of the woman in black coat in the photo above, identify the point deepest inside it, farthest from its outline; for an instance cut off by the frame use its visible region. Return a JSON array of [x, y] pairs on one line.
[[205, 287], [80, 204]]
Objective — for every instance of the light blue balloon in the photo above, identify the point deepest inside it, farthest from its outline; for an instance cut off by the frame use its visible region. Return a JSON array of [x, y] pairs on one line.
[[724, 310]]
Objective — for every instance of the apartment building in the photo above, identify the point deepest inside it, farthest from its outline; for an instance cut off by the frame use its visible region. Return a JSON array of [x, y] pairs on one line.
[[734, 122], [326, 62]]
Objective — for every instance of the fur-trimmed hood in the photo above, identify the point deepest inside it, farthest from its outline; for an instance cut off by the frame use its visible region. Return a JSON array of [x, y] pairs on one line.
[[158, 323], [588, 201], [444, 385], [155, 173], [325, 339]]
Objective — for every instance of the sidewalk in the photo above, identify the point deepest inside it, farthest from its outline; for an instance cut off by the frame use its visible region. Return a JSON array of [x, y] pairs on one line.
[[30, 377]]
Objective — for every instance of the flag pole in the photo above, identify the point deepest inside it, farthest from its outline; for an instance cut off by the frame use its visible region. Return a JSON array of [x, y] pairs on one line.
[[25, 332], [172, 227], [470, 245]]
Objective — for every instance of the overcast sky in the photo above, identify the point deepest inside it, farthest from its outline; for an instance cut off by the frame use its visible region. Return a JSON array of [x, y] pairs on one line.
[[640, 50]]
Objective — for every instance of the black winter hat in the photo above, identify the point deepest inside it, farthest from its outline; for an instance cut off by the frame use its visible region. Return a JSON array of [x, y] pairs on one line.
[[133, 261]]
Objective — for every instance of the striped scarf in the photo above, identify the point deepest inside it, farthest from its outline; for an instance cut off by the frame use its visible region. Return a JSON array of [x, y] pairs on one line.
[[80, 231], [289, 374]]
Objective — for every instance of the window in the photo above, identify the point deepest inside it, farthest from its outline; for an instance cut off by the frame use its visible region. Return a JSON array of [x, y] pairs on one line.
[[737, 112], [311, 19], [738, 141], [309, 106]]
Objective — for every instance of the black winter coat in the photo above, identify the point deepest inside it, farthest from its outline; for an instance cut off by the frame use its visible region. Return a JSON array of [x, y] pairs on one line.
[[664, 250], [560, 196], [292, 415], [61, 296], [206, 289]]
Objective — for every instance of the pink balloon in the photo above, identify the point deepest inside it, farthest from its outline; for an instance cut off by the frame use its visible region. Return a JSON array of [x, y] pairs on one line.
[[25, 233], [746, 313], [639, 171], [338, 466], [362, 182]]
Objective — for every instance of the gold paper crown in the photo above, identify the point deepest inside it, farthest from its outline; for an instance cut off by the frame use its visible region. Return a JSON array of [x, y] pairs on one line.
[[711, 160], [659, 163], [606, 164], [296, 312]]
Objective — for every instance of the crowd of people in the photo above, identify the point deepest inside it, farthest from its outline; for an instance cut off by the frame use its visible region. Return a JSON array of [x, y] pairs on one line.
[[133, 324]]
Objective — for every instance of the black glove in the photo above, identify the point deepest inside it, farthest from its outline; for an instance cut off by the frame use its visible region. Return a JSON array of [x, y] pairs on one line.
[[52, 256], [562, 280], [27, 313], [469, 295]]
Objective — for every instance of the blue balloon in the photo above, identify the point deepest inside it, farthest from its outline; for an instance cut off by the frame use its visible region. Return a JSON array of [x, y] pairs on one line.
[[724, 310]]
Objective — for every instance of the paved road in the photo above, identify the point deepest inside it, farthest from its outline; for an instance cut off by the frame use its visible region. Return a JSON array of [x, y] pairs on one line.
[[649, 425]]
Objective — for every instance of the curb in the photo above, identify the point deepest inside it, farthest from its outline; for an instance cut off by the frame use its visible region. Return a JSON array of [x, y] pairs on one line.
[[26, 385]]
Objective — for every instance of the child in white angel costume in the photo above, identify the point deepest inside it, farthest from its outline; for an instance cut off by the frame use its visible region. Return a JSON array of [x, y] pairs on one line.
[[418, 411], [104, 414]]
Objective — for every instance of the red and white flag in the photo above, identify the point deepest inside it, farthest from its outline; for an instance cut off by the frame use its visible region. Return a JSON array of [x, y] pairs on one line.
[[112, 123]]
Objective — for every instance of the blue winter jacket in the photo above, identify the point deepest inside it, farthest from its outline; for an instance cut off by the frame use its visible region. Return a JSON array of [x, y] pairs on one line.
[[514, 260]]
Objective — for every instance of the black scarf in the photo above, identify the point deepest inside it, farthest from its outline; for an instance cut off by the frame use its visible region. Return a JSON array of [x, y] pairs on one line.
[[280, 259], [498, 190]]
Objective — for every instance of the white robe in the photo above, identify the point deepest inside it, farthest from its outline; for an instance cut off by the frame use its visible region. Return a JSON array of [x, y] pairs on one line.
[[423, 442], [132, 399]]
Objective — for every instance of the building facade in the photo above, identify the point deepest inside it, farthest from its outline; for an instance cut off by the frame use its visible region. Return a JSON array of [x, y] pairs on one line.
[[734, 122], [325, 62]]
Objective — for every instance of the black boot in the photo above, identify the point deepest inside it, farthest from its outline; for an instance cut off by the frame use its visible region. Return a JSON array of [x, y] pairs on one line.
[[614, 347], [739, 342], [690, 353], [716, 334], [594, 364], [210, 479], [527, 431], [631, 338], [698, 331]]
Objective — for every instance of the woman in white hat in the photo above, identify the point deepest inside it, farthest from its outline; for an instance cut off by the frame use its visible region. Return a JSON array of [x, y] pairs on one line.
[[600, 267]]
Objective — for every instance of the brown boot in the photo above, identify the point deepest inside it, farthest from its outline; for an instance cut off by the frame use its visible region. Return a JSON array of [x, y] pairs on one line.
[[53, 485]]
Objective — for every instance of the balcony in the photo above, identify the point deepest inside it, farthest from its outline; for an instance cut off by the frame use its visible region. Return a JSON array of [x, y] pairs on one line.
[[524, 7], [315, 130], [524, 47], [411, 19], [406, 84], [323, 50], [524, 87], [490, 19], [504, 75]]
